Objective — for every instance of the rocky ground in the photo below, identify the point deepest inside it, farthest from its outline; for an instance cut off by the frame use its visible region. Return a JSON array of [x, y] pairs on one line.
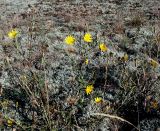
[[127, 26]]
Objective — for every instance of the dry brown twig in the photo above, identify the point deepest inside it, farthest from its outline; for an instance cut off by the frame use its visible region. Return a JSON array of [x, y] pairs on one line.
[[114, 117]]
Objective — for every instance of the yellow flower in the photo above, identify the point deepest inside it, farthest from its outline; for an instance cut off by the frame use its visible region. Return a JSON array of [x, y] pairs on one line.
[[10, 122], [125, 58], [103, 47], [154, 63], [70, 40], [89, 89], [154, 104], [88, 38], [86, 61], [98, 99], [13, 34], [17, 104]]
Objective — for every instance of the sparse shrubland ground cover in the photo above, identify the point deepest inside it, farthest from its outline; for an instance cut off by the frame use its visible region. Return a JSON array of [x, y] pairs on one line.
[[80, 65]]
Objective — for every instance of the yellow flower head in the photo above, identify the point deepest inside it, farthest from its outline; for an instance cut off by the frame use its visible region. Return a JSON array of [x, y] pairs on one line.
[[103, 47], [86, 61], [88, 38], [10, 122], [17, 104], [154, 63], [70, 40], [125, 58], [13, 34], [154, 104], [89, 89], [98, 99]]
